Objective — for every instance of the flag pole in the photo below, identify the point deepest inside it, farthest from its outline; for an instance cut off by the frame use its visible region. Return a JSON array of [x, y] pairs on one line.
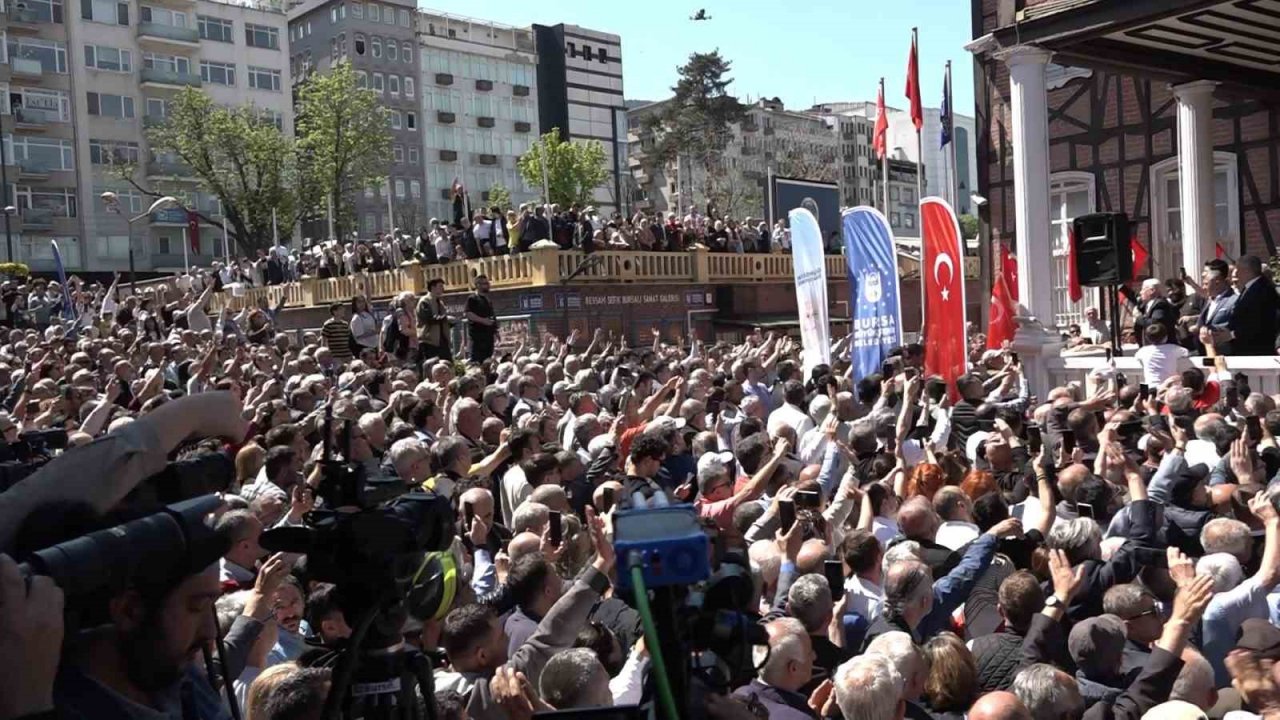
[[955, 165], [915, 55], [884, 159], [328, 202], [391, 216]]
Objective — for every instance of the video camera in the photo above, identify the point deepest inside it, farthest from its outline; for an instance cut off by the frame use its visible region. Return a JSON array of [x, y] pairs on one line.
[[376, 544], [27, 454]]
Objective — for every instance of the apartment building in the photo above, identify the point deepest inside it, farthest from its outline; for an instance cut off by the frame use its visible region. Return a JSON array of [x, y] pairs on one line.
[[80, 85], [479, 108], [379, 40], [768, 139], [580, 93]]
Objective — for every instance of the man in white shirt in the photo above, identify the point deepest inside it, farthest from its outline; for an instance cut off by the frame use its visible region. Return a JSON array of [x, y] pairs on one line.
[[865, 596], [956, 511], [1161, 359], [790, 413], [442, 243], [482, 229]]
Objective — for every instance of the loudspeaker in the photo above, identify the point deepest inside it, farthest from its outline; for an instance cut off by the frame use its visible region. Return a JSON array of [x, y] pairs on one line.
[[1102, 250]]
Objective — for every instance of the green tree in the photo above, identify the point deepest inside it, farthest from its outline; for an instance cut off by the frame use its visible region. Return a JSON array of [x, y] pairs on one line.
[[696, 125], [344, 139], [574, 169], [500, 197], [238, 155], [968, 226]]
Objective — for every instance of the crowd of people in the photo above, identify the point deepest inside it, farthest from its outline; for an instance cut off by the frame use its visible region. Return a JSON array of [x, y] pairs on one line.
[[493, 231], [983, 549]]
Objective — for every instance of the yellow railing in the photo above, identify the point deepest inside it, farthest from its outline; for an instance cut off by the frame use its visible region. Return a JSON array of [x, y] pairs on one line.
[[550, 266]]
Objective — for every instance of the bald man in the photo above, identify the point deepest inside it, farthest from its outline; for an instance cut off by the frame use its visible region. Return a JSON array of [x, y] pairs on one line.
[[999, 705], [526, 543], [480, 501]]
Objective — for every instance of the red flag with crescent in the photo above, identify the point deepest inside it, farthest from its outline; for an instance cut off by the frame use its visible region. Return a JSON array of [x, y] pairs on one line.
[[1002, 325], [942, 271]]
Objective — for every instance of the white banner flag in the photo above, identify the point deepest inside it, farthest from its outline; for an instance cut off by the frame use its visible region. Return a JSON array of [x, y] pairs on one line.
[[811, 289]]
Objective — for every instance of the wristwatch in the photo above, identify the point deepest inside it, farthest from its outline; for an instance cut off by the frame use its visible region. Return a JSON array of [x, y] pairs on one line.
[[1053, 602]]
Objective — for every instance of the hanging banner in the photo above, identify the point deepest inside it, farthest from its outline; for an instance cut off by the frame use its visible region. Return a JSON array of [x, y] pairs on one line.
[[874, 292], [942, 270], [811, 288]]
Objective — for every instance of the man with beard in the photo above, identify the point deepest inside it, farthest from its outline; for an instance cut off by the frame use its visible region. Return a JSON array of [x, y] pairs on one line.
[[142, 663]]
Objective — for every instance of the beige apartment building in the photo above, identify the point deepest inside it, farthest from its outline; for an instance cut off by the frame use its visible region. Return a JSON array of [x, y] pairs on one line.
[[80, 82]]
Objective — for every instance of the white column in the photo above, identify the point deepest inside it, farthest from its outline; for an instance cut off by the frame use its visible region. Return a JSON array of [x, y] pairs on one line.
[[1195, 173], [1035, 341], [1030, 103]]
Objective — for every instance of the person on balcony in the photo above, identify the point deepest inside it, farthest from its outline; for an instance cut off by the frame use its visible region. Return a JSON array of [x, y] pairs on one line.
[[1152, 308], [1216, 315], [1251, 327]]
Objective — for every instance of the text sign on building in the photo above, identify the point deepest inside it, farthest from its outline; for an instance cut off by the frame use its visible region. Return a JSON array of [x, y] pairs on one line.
[[531, 302]]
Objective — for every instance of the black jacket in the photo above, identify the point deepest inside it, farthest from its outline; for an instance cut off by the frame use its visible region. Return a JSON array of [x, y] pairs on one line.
[[1253, 320], [998, 658], [1157, 311]]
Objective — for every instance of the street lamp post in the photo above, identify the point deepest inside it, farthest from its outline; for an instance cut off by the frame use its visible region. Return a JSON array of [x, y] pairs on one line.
[[113, 205], [9, 212]]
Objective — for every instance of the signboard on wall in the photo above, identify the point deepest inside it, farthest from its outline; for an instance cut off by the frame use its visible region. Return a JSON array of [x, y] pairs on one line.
[[820, 198]]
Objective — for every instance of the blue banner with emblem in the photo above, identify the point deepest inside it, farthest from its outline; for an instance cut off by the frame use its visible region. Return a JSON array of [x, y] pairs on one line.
[[872, 260]]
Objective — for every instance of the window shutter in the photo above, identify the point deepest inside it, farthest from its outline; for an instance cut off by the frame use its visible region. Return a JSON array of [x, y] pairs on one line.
[[94, 108]]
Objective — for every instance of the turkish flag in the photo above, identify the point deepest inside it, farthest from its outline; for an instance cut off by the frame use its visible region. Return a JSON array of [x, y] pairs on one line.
[[913, 87], [942, 271], [1010, 265], [1002, 325], [1074, 291], [880, 138], [1140, 256], [193, 230]]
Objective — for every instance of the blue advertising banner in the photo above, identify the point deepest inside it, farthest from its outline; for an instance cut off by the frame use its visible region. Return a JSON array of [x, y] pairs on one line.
[[873, 287]]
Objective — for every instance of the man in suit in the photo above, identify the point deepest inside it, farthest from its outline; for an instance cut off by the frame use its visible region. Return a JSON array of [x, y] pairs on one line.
[[1251, 327], [1154, 309], [1217, 312]]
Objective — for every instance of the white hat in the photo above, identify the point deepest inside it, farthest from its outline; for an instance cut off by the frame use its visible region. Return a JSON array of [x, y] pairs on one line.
[[1150, 283], [708, 459]]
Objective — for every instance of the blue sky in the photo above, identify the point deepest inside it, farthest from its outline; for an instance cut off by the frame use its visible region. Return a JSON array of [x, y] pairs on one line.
[[800, 51]]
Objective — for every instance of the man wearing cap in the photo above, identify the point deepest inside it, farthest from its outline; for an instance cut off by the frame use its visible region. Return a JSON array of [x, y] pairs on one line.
[[716, 497], [1097, 648], [1154, 309]]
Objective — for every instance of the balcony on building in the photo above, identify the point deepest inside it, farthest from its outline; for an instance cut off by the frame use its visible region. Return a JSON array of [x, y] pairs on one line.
[[162, 78], [172, 216], [520, 90], [485, 122], [448, 155], [444, 79], [32, 168], [484, 85], [30, 119], [27, 20], [168, 169], [158, 34], [25, 68], [446, 118], [749, 126], [523, 127], [36, 218]]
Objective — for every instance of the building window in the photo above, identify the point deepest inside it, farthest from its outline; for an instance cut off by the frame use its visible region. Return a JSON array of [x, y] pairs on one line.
[[113, 152], [262, 36], [586, 53], [908, 220], [404, 18], [378, 82], [110, 12], [373, 12], [410, 120], [49, 11], [362, 79], [399, 188], [113, 106], [333, 49], [408, 87], [395, 119], [415, 189], [406, 52], [413, 156], [893, 195], [1071, 194], [108, 58], [357, 10], [115, 247], [44, 154], [161, 16], [218, 73], [342, 11], [167, 63], [393, 50], [333, 15], [908, 195], [261, 78], [393, 83], [342, 45], [604, 56], [397, 153], [216, 29], [1166, 211], [157, 109], [360, 45], [51, 54], [376, 45], [389, 16]]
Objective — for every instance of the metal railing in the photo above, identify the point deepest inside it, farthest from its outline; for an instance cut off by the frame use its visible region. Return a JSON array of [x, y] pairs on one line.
[[170, 77], [168, 32]]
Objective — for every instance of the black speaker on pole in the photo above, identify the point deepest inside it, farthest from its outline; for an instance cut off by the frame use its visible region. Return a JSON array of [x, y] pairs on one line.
[[1102, 250]]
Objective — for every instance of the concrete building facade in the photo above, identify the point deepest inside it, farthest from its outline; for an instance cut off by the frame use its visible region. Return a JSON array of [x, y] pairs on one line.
[[379, 40], [479, 108], [580, 94], [78, 87]]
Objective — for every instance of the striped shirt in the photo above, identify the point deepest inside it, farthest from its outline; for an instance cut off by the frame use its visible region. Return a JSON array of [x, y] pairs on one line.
[[337, 337]]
